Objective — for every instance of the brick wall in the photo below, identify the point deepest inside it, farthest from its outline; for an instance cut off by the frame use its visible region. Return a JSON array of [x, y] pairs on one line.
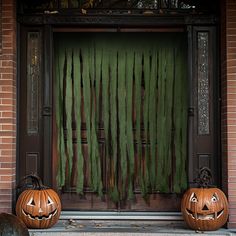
[[7, 106], [228, 85]]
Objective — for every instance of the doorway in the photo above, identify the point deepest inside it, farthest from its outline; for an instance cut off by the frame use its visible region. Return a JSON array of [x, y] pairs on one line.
[[38, 127], [120, 120]]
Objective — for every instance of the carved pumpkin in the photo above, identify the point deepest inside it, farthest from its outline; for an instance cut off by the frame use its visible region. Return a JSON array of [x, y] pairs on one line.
[[12, 226], [204, 208], [39, 207]]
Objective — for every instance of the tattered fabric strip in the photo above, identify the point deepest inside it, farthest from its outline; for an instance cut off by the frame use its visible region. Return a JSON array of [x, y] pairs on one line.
[[129, 69], [77, 109], [146, 80], [152, 117], [68, 111], [60, 61], [138, 111], [122, 120], [114, 193]]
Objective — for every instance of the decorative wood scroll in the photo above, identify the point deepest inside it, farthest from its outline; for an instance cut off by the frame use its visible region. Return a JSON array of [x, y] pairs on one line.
[[33, 82], [168, 5], [203, 84]]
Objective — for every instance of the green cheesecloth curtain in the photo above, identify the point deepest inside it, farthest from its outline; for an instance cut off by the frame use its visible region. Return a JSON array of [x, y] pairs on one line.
[[137, 83]]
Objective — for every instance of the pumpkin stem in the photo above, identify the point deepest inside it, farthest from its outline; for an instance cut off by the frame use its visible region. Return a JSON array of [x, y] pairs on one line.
[[36, 182], [204, 178]]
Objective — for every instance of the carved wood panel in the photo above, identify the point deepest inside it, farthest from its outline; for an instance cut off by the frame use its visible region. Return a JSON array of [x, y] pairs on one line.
[[33, 81], [30, 119], [204, 139]]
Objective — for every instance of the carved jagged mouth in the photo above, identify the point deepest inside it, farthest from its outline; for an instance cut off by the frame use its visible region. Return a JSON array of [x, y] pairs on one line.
[[43, 217], [199, 216]]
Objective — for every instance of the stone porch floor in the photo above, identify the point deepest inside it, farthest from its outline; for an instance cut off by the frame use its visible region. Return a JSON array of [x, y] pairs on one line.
[[124, 228]]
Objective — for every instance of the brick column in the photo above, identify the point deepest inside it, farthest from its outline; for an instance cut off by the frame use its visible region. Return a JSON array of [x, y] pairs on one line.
[[228, 88], [8, 105]]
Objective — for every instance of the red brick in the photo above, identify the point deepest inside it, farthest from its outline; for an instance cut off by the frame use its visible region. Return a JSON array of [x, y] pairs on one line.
[[7, 152], [7, 14], [7, 20], [8, 127], [5, 191], [6, 107], [6, 178], [7, 120], [8, 114], [7, 101], [5, 140], [231, 69], [5, 185], [8, 76], [8, 165], [6, 158], [7, 51], [8, 89], [8, 45], [231, 62], [231, 55]]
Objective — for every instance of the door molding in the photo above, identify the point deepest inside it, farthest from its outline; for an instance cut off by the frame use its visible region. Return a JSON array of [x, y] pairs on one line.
[[47, 24]]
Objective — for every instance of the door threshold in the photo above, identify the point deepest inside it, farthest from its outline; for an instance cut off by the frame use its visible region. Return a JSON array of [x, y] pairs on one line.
[[72, 227], [117, 215]]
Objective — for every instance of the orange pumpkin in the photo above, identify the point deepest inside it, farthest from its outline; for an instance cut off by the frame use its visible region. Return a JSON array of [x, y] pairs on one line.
[[204, 208], [39, 207]]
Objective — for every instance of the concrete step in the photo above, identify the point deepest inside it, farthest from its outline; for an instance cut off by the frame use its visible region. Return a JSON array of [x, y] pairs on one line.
[[124, 228], [120, 234]]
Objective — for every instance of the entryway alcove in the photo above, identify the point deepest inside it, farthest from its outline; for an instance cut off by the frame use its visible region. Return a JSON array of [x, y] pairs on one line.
[[118, 111]]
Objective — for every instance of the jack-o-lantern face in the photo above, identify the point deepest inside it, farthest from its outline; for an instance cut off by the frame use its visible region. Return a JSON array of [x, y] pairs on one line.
[[204, 208], [39, 208]]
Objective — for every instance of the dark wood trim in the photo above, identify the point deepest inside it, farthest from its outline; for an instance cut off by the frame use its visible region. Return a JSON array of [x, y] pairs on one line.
[[113, 30], [205, 150], [49, 23], [191, 110], [124, 20], [47, 105], [29, 146]]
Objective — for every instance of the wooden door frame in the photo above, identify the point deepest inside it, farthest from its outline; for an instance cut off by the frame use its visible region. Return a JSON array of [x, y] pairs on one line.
[[48, 24]]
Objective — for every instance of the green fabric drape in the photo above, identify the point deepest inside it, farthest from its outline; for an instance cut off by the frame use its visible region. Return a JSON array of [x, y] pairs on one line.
[[114, 193], [146, 75], [180, 121], [129, 119], [68, 110], [122, 119], [152, 118], [136, 91], [77, 107], [59, 65], [138, 112]]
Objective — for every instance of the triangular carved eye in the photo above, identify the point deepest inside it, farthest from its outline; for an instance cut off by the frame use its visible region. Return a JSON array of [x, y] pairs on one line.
[[193, 198], [31, 202], [50, 201], [214, 198]]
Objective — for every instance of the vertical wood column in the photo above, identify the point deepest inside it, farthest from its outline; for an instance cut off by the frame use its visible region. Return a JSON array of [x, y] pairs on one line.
[[203, 103]]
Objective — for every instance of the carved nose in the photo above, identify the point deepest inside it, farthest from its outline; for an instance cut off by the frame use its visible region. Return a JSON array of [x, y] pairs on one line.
[[40, 210], [205, 208]]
